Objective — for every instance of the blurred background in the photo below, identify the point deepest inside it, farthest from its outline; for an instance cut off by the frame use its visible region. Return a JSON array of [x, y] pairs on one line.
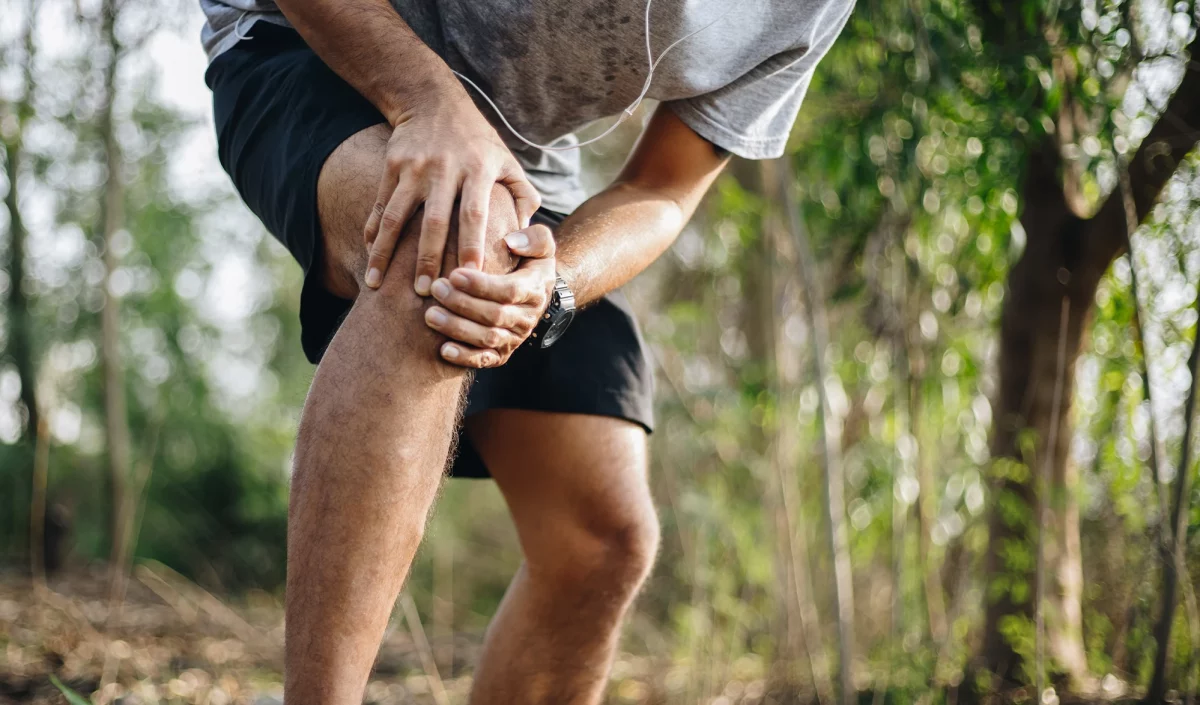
[[926, 385]]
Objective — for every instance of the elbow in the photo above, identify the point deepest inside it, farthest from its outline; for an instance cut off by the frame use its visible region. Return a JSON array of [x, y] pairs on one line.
[[671, 210]]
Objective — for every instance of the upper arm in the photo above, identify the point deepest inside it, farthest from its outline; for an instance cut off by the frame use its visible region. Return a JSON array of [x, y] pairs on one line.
[[671, 159]]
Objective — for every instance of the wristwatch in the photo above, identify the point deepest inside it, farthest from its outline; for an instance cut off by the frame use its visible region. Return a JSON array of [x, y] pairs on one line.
[[557, 318]]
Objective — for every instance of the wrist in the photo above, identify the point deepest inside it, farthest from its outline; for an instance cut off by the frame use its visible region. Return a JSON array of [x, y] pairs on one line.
[[557, 316], [432, 93]]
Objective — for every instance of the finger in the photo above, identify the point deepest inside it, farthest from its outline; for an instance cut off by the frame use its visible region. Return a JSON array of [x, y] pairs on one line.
[[535, 241], [467, 331], [472, 220], [387, 186], [481, 311], [435, 227], [465, 356], [399, 209], [501, 288], [527, 198]]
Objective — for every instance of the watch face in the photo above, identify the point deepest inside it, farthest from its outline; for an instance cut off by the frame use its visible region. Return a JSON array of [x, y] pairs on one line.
[[557, 327]]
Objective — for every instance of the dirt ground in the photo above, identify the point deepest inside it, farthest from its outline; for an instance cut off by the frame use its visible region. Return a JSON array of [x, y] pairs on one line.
[[174, 642]]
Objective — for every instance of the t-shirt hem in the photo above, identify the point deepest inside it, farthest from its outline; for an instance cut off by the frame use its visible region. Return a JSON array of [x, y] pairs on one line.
[[720, 135], [225, 39]]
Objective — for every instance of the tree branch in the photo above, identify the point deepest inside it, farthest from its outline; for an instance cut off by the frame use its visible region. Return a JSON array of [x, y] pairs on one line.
[[1156, 159]]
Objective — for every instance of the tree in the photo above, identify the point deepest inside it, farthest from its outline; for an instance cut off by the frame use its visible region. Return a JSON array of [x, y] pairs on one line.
[[1064, 258], [111, 220], [19, 334]]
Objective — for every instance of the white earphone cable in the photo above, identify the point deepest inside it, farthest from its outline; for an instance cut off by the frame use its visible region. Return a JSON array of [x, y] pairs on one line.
[[652, 65]]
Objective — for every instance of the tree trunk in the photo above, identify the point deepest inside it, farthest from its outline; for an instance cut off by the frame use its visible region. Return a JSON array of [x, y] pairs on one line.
[[799, 634], [116, 421], [831, 449], [20, 343], [20, 329], [1065, 256], [1175, 569], [931, 579]]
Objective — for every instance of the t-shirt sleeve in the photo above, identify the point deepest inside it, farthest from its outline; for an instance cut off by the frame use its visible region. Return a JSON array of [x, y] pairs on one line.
[[753, 115]]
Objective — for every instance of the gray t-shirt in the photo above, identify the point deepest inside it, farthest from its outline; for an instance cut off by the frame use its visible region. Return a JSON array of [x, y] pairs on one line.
[[552, 67]]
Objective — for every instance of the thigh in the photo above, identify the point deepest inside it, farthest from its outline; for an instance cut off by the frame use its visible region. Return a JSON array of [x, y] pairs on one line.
[[346, 190], [565, 474]]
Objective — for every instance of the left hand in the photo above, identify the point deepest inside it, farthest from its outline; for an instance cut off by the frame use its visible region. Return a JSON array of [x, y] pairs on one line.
[[488, 316]]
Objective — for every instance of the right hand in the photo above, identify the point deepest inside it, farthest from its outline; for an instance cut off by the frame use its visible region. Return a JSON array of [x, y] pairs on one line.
[[438, 150], [488, 316]]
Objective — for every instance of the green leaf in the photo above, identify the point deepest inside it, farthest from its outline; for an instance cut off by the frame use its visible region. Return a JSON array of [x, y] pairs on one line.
[[71, 696]]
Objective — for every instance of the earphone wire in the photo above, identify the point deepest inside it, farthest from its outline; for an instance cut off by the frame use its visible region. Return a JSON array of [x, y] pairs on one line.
[[652, 66]]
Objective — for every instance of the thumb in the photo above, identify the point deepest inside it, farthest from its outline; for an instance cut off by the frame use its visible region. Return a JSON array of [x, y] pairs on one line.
[[535, 242]]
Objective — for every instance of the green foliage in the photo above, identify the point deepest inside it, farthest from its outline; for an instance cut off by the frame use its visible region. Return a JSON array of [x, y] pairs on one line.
[[72, 697]]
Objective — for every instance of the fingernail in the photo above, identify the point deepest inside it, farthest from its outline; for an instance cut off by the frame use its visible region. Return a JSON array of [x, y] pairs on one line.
[[435, 316], [517, 241], [373, 277], [422, 285], [449, 351], [459, 279], [441, 288]]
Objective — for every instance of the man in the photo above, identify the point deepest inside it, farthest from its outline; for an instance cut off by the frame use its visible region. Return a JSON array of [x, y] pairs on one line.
[[435, 243]]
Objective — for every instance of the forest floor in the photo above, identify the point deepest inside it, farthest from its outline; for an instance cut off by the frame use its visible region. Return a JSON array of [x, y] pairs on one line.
[[173, 642]]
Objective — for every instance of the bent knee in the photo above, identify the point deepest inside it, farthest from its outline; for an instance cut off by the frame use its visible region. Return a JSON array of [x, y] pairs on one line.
[[610, 556], [347, 188], [401, 273], [501, 220]]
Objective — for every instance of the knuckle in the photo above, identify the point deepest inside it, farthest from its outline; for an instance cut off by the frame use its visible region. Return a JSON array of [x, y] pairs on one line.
[[382, 247], [435, 168], [474, 212], [492, 338], [548, 237], [390, 220], [500, 316], [428, 260], [436, 221]]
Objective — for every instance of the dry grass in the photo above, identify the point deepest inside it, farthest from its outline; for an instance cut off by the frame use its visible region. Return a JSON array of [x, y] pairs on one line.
[[170, 642]]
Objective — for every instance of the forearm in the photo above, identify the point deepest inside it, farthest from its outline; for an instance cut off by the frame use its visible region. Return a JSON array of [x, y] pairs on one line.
[[615, 236], [373, 49]]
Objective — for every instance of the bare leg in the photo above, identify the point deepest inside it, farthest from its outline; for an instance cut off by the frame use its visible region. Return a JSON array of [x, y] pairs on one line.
[[577, 489], [372, 444]]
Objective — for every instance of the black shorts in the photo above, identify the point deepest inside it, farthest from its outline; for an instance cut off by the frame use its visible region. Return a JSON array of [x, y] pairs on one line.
[[279, 113]]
